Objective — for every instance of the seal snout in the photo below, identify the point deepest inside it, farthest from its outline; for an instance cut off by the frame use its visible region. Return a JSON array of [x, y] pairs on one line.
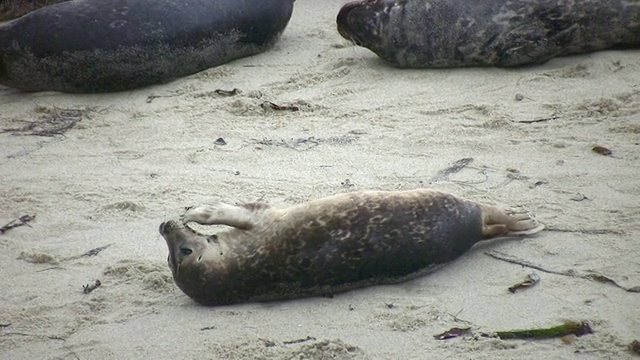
[[168, 227], [343, 20], [358, 21]]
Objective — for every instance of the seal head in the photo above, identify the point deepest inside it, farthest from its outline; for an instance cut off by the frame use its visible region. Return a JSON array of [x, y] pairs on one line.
[[194, 259], [364, 23]]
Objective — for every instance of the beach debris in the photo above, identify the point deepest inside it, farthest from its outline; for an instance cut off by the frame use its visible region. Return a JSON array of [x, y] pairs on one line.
[[208, 328], [347, 183], [602, 150], [579, 197], [457, 319], [52, 121], [568, 339], [453, 333], [220, 141], [533, 121], [22, 220], [4, 324], [390, 305], [268, 343], [585, 231], [569, 327], [150, 98], [305, 143], [90, 287], [38, 258], [351, 307], [222, 92], [634, 347], [538, 183], [269, 105], [593, 276], [297, 341], [518, 97], [96, 251], [444, 174], [52, 337], [531, 280]]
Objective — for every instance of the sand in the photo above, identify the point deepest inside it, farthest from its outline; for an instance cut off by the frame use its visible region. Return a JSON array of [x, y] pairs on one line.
[[134, 159]]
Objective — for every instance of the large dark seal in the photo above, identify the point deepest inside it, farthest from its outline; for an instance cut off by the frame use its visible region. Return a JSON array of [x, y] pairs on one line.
[[328, 245], [457, 33], [114, 45]]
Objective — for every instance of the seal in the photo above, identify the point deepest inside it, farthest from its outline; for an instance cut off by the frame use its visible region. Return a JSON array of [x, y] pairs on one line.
[[329, 245], [11, 9], [461, 33], [116, 45]]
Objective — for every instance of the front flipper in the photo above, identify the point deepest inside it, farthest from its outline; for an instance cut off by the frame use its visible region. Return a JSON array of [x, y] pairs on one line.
[[220, 214], [500, 221]]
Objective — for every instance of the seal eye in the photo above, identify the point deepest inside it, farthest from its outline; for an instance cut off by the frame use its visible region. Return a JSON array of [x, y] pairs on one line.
[[185, 251]]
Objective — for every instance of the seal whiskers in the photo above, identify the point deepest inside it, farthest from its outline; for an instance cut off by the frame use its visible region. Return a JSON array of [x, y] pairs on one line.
[[328, 245]]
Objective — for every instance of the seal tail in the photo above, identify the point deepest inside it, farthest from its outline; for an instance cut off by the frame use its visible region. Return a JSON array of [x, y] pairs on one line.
[[508, 222]]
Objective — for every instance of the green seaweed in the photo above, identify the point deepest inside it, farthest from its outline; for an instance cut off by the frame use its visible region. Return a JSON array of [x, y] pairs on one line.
[[570, 327]]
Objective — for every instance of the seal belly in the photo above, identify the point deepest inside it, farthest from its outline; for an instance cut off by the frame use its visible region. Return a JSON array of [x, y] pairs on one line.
[[390, 240], [361, 242]]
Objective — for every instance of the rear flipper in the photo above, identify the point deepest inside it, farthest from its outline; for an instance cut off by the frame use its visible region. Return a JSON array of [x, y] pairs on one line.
[[508, 222]]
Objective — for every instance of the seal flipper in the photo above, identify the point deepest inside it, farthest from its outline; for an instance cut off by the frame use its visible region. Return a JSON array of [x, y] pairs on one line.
[[220, 214], [508, 222]]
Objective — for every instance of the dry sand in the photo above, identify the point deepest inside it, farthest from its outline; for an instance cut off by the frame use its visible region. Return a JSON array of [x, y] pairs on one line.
[[133, 160]]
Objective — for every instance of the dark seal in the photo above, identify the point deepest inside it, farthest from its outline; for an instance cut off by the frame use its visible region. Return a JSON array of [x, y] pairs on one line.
[[329, 245], [91, 46], [458, 33]]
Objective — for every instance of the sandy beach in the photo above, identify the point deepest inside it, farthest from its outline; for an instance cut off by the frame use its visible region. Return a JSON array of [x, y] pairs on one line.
[[103, 171]]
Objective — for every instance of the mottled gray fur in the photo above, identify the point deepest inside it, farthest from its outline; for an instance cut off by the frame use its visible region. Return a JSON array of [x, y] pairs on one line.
[[328, 245], [456, 33]]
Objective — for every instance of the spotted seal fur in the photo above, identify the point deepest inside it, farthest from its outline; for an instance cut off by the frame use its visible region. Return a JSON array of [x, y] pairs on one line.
[[329, 245], [459, 33], [89, 46]]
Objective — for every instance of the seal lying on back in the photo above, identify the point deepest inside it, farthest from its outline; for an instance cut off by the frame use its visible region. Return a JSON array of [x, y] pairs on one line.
[[457, 33], [114, 45], [329, 245]]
